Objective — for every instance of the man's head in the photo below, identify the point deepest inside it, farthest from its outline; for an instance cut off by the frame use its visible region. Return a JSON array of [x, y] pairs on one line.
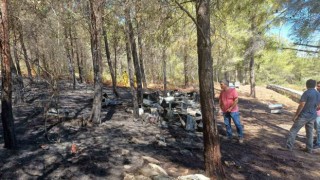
[[224, 84], [318, 86], [311, 83]]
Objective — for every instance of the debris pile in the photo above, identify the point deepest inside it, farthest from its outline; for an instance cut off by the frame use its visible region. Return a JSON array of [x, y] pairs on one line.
[[181, 108], [176, 106]]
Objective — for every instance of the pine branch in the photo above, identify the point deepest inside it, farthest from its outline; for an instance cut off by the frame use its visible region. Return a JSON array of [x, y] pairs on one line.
[[307, 45], [193, 19], [302, 50]]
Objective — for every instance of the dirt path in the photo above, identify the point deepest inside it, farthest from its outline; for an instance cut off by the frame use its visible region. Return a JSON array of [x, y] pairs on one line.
[[120, 145]]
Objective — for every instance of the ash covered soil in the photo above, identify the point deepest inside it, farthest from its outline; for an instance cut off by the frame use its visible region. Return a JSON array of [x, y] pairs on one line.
[[121, 147]]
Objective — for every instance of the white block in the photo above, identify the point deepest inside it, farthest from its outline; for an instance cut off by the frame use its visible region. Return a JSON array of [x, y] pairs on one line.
[[276, 111], [275, 106]]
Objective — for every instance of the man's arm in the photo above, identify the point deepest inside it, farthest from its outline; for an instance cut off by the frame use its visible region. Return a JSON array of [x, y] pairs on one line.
[[300, 107], [235, 102]]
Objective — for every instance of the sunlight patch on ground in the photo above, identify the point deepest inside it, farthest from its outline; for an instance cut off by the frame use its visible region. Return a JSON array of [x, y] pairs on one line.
[[272, 146], [237, 176], [268, 96], [261, 169], [315, 173], [275, 174], [285, 126]]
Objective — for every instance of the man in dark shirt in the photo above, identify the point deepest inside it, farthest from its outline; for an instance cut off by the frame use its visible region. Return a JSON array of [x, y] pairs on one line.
[[317, 123], [306, 115]]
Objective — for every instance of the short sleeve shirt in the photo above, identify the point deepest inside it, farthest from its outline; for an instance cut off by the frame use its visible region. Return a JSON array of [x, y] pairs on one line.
[[227, 98], [318, 112], [312, 98]]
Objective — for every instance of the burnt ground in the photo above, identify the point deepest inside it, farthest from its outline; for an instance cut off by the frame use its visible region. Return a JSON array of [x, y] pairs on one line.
[[120, 144]]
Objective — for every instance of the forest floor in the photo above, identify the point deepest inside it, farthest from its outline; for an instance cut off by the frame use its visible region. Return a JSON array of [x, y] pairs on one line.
[[120, 146]]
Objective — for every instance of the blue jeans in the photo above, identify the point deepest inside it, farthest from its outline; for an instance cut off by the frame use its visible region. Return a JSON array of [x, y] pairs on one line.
[[317, 128], [235, 116], [297, 125]]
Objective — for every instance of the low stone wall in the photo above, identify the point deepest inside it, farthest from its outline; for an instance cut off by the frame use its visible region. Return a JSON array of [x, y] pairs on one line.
[[292, 94]]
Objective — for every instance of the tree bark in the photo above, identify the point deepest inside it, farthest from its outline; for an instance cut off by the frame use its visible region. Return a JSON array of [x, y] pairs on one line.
[[9, 135], [37, 59], [115, 49], [134, 54], [111, 69], [141, 57], [185, 67], [252, 77], [96, 7], [79, 62], [139, 22], [17, 85], [251, 64], [212, 154], [68, 48], [25, 54], [16, 73], [164, 70], [45, 67], [15, 52], [153, 72], [131, 76], [74, 78]]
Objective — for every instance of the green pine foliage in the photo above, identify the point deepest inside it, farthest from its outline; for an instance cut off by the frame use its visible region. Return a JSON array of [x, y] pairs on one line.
[[165, 27]]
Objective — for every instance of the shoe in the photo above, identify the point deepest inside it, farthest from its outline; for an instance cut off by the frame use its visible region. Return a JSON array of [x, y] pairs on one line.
[[240, 140]]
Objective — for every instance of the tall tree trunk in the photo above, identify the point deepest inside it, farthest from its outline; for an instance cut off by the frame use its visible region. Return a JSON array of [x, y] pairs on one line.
[[164, 69], [96, 7], [25, 54], [225, 74], [251, 64], [106, 46], [46, 66], [115, 62], [16, 73], [37, 59], [134, 54], [15, 52], [115, 47], [212, 154], [141, 58], [131, 76], [74, 78], [245, 72], [79, 58], [17, 85], [252, 77], [82, 64], [185, 67], [68, 47], [139, 23], [153, 72], [79, 64], [9, 135], [52, 58]]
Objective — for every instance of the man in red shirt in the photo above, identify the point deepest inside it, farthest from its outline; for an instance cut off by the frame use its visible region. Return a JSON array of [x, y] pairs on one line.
[[228, 102]]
